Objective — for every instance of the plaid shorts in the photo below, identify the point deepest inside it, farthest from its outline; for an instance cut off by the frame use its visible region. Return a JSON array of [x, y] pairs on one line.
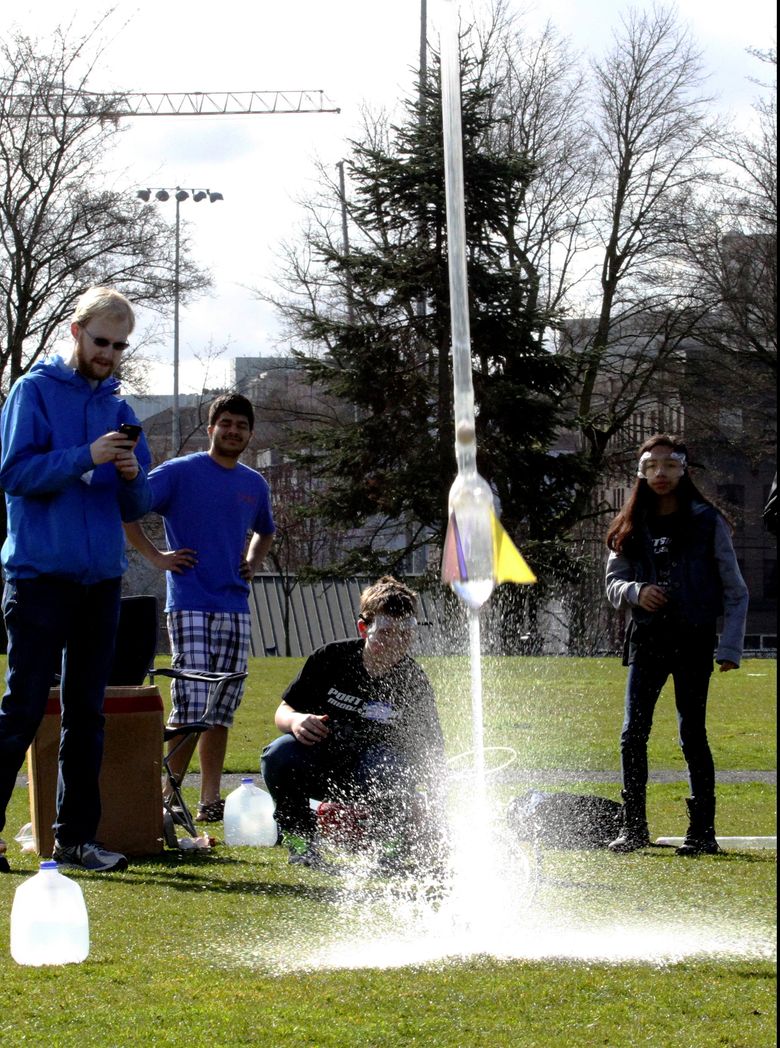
[[217, 642]]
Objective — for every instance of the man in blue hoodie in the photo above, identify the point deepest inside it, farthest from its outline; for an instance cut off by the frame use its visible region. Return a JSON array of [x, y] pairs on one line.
[[70, 479]]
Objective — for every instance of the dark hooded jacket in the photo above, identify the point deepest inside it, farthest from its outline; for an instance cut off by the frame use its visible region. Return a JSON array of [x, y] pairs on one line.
[[705, 579]]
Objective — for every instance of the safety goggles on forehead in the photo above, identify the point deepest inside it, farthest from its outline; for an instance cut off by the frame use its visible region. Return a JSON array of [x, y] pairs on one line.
[[650, 463], [388, 623]]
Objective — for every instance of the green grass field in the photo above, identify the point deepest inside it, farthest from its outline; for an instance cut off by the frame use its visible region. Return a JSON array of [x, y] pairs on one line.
[[558, 713], [236, 947]]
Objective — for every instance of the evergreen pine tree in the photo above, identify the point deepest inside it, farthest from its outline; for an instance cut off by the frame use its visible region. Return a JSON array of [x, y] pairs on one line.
[[393, 462]]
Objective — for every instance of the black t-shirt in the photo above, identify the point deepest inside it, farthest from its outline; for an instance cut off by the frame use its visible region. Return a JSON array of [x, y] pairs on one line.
[[665, 534], [668, 629], [396, 709]]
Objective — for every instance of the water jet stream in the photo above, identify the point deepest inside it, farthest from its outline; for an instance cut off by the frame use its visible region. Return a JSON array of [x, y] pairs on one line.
[[477, 551], [477, 713]]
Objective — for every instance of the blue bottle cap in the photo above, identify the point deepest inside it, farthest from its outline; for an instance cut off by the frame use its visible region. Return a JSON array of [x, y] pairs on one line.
[[248, 779], [48, 864]]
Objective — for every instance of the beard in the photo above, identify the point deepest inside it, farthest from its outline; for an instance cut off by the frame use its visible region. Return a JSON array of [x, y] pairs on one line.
[[96, 368]]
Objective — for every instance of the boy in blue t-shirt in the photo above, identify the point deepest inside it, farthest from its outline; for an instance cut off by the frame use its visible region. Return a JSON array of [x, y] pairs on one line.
[[210, 503]]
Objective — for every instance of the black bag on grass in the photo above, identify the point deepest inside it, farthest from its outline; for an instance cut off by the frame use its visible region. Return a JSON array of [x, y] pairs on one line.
[[565, 820]]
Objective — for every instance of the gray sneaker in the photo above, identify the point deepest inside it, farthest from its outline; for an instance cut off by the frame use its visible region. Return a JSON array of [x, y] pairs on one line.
[[89, 856]]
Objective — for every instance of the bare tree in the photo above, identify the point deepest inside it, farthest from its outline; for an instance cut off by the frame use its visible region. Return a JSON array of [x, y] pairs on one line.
[[728, 244], [651, 129], [62, 227], [541, 100]]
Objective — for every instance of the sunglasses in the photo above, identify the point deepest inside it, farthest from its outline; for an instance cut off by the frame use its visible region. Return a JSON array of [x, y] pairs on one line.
[[104, 343]]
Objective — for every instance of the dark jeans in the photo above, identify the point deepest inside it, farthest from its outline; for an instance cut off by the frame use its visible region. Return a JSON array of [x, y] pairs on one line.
[[294, 773], [58, 626], [690, 666]]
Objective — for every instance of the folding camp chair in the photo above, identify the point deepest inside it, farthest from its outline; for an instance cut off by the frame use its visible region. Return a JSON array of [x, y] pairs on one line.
[[136, 644], [175, 810]]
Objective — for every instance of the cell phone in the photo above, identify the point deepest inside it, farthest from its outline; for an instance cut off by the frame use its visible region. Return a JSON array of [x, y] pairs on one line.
[[127, 429]]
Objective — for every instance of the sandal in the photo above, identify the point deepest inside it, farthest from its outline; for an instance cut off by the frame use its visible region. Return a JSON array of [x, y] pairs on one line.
[[212, 812]]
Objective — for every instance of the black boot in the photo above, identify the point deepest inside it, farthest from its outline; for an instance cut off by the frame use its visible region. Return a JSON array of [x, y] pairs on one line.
[[634, 833], [700, 838]]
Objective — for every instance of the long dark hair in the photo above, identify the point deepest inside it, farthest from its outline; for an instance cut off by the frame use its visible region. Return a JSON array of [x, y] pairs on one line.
[[642, 500]]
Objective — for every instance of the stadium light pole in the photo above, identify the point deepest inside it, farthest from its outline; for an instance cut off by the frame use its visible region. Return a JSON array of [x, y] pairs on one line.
[[179, 196]]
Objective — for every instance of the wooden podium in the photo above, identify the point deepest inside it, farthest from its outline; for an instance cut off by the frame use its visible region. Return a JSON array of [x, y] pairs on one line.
[[130, 777]]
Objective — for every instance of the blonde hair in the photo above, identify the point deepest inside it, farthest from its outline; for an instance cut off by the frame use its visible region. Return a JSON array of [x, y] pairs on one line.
[[103, 301], [387, 596]]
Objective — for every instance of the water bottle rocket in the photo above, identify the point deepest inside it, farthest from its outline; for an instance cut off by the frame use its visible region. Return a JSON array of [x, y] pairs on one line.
[[478, 553]]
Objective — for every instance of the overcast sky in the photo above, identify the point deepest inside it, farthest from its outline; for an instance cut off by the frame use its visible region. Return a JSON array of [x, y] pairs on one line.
[[353, 50]]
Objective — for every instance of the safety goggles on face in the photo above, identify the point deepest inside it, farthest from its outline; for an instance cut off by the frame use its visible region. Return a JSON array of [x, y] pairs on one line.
[[388, 625], [651, 464], [104, 343]]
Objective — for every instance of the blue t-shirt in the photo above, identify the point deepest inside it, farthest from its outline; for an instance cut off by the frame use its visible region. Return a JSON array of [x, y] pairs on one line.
[[212, 510]]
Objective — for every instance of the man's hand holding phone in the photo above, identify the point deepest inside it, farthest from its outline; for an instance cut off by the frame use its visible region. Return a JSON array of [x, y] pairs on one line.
[[125, 460], [127, 429]]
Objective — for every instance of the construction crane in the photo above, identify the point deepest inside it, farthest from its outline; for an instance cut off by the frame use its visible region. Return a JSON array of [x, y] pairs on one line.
[[183, 103], [104, 106]]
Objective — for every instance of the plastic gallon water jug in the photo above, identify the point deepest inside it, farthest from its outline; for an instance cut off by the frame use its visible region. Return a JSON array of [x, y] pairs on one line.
[[49, 923], [249, 816]]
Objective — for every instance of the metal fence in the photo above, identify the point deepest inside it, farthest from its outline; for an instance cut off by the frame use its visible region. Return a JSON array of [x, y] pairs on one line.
[[327, 610]]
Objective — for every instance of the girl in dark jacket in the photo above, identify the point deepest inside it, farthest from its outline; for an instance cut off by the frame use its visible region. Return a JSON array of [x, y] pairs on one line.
[[672, 564]]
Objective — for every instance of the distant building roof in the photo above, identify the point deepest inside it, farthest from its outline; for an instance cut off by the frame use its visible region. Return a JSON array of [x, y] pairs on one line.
[[147, 404], [244, 370]]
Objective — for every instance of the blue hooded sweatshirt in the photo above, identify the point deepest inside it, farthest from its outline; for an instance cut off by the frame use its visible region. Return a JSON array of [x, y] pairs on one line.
[[64, 513]]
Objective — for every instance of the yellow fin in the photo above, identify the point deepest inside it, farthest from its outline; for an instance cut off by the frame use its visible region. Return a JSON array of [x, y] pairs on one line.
[[508, 564]]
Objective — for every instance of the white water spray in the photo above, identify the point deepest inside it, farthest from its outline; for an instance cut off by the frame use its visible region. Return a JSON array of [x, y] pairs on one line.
[[477, 713], [485, 910]]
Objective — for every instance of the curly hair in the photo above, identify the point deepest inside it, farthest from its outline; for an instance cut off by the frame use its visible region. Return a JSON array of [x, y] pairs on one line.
[[387, 596]]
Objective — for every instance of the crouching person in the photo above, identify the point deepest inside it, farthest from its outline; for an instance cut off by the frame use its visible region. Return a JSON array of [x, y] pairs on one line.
[[361, 727]]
